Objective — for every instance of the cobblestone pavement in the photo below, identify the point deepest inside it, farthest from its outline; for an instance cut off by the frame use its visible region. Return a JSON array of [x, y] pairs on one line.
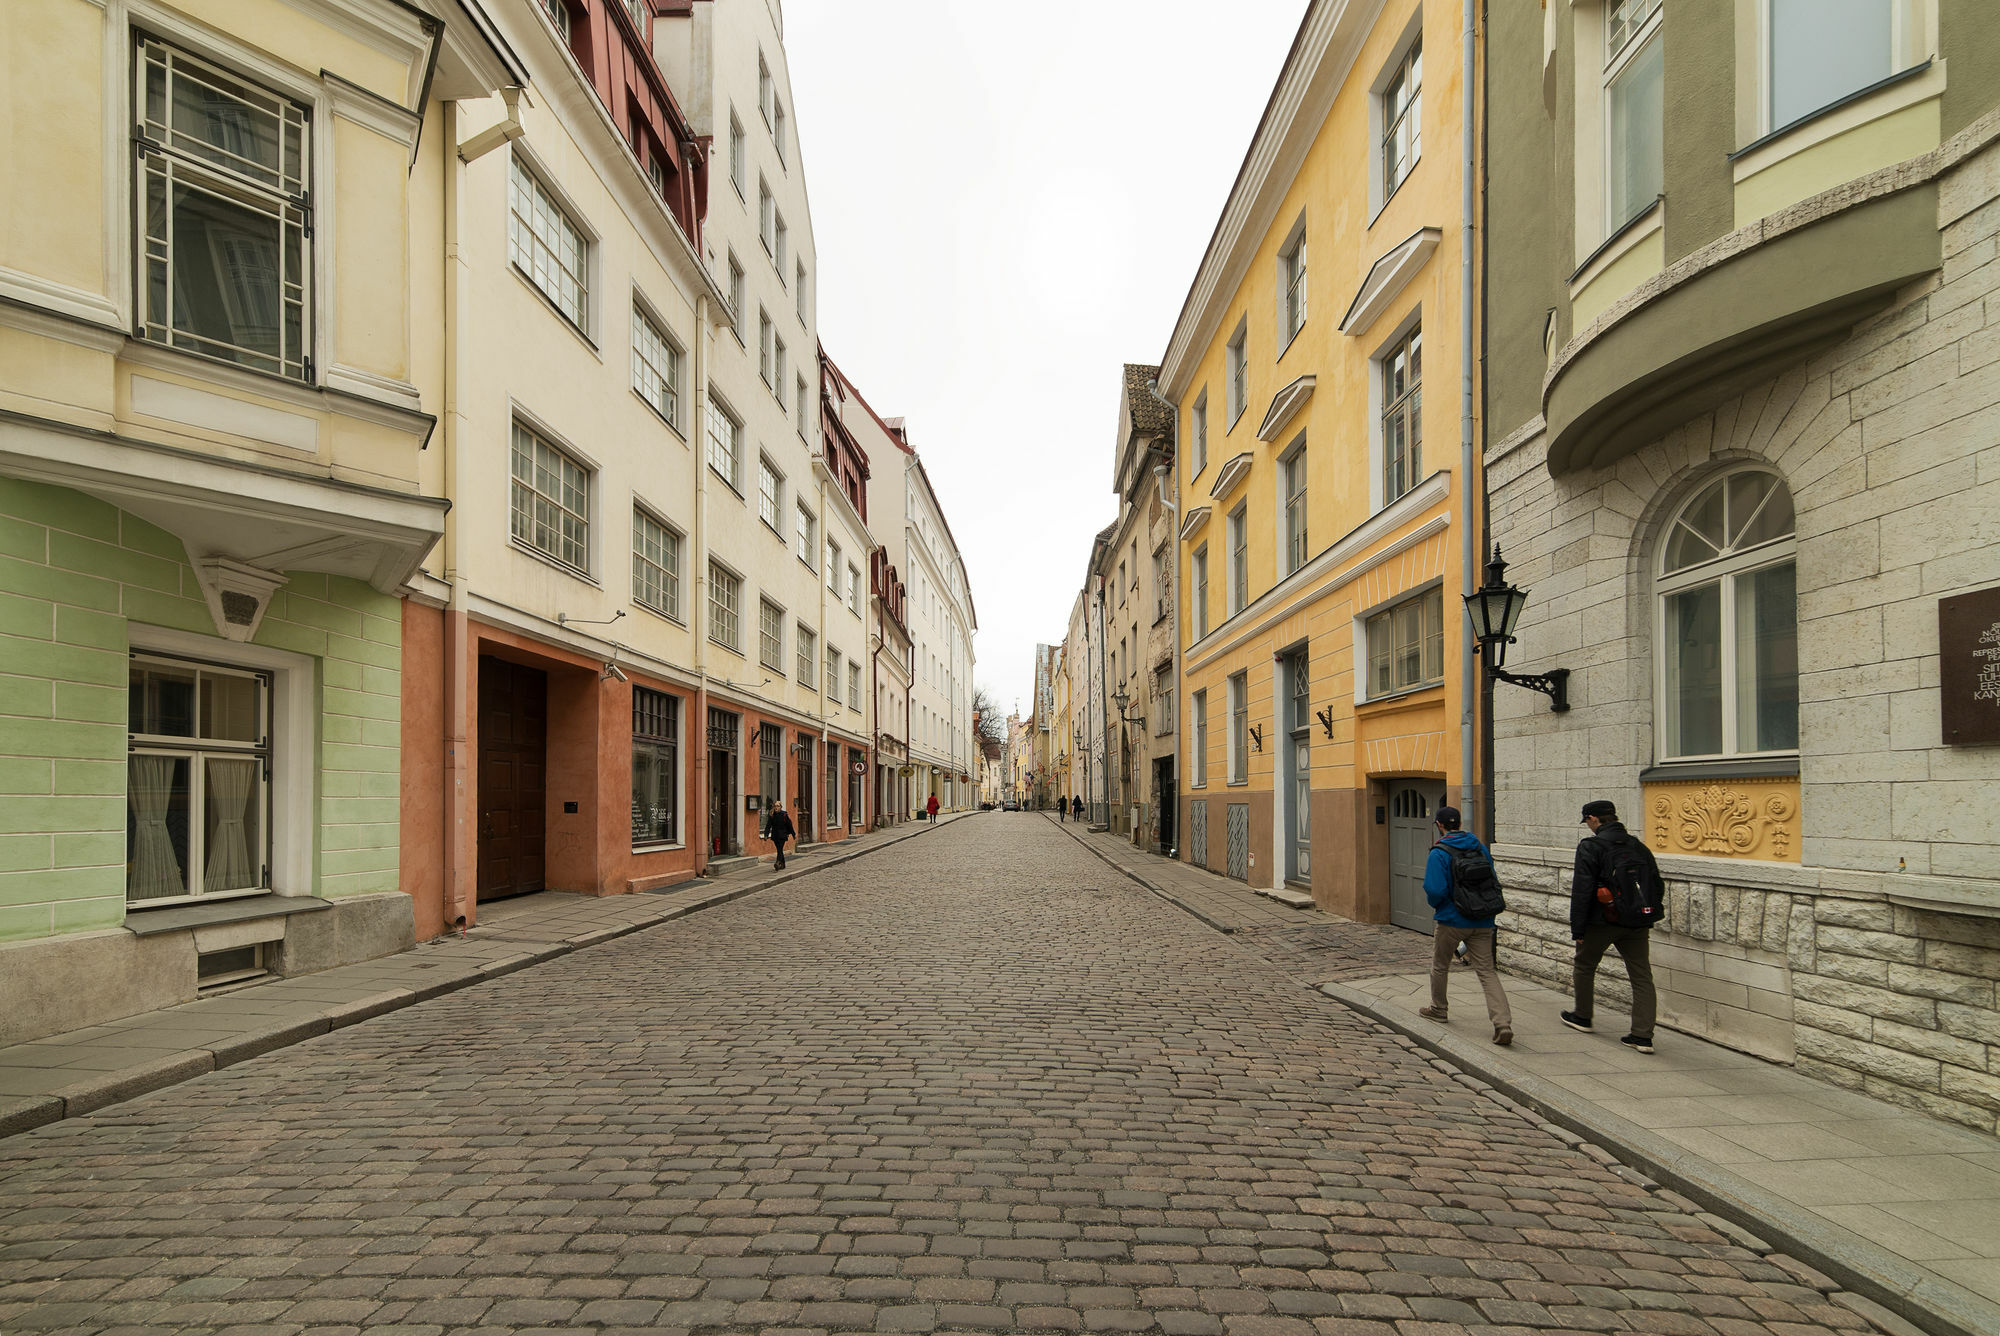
[[975, 1082], [1318, 950]]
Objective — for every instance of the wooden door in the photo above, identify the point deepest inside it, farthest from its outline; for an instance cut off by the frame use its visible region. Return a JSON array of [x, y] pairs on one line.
[[1412, 831], [513, 756]]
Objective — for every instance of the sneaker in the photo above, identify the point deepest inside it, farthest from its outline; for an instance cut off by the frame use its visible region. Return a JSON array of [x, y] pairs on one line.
[[1642, 1042], [1434, 1014], [1576, 1022], [1502, 1035]]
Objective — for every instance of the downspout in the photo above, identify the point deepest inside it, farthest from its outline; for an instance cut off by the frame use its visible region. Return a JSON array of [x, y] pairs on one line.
[[878, 561], [698, 614], [1104, 702], [1489, 818], [1468, 684], [1173, 470], [825, 637], [457, 711]]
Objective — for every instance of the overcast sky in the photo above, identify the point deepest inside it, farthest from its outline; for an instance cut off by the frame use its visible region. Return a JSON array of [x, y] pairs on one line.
[[1009, 203]]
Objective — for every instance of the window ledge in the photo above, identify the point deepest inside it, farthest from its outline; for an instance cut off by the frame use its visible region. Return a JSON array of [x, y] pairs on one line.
[[147, 922], [1627, 235], [665, 847], [526, 550], [1901, 89], [558, 311], [1401, 697], [665, 421], [1764, 767]]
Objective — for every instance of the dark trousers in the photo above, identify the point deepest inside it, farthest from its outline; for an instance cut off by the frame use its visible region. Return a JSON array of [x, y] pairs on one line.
[[781, 851], [1631, 944]]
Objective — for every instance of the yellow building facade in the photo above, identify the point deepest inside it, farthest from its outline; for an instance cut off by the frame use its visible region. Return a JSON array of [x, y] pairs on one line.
[[1321, 542]]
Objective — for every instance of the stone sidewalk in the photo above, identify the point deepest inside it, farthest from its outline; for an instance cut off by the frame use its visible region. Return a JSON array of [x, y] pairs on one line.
[[78, 1071], [1863, 1189]]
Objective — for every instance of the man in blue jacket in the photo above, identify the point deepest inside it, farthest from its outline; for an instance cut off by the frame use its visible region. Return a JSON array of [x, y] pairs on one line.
[[1455, 926]]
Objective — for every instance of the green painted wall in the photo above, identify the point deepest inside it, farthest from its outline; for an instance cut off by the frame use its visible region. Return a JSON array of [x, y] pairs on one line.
[[74, 574], [1700, 119], [1969, 41]]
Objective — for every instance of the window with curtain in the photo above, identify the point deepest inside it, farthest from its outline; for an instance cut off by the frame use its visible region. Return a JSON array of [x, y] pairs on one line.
[[1728, 621], [198, 778], [1634, 109]]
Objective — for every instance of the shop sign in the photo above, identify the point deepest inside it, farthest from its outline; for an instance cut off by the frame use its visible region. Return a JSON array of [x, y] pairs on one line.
[[1969, 667]]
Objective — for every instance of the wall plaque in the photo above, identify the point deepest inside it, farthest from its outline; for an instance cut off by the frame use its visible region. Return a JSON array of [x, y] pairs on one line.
[[1969, 667]]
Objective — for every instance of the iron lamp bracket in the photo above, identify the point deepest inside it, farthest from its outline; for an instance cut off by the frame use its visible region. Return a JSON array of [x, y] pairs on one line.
[[1554, 684]]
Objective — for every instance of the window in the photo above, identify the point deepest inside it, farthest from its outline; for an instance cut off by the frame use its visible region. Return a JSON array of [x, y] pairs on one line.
[[737, 158], [808, 655], [736, 293], [771, 636], [764, 345], [1292, 471], [1239, 729], [1201, 591], [1406, 645], [1163, 700], [656, 368], [1634, 79], [854, 685], [1402, 120], [833, 567], [1728, 629], [547, 246], [1121, 584], [1198, 726], [1239, 561], [766, 95], [832, 784], [640, 15], [725, 596], [767, 218], [724, 441], [1239, 373], [1163, 588], [854, 589], [778, 127], [782, 237], [778, 370], [1402, 415], [225, 179], [1824, 50], [558, 13], [1292, 286], [551, 500], [656, 565], [656, 770], [808, 536], [198, 780], [770, 495], [1200, 433], [833, 674], [805, 404], [799, 291], [856, 770]]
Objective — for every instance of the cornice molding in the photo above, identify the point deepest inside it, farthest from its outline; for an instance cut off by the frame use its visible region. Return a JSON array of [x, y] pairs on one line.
[[1285, 406], [1387, 277]]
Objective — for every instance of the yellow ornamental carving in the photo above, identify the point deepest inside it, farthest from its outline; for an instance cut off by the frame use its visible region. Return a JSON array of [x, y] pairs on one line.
[[1752, 818]]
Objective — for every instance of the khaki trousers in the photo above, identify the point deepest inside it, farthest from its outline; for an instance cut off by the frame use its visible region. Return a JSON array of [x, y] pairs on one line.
[[1478, 954]]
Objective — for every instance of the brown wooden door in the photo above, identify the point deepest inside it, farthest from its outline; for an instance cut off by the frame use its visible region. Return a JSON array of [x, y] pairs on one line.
[[513, 755]]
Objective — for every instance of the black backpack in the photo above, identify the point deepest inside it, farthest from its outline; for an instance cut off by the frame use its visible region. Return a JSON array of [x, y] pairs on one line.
[[1475, 887], [1633, 879]]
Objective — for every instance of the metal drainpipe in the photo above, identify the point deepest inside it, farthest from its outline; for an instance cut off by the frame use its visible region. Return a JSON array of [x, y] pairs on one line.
[[698, 614], [454, 684], [826, 634], [1104, 701], [1468, 685]]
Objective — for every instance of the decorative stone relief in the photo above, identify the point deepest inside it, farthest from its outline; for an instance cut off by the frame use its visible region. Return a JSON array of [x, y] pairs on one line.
[[1753, 818]]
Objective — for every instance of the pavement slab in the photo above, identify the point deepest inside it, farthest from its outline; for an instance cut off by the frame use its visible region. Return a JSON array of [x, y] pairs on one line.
[[969, 1083]]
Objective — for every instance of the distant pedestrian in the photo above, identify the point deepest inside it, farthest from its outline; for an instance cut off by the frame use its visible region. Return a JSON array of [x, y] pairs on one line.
[[931, 807], [1614, 901], [1076, 808], [778, 829], [1062, 808], [1465, 894]]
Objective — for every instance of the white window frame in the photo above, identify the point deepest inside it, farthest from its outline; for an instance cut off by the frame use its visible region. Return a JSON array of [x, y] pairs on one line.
[[833, 563], [587, 517], [721, 578], [522, 164], [799, 296], [646, 331], [834, 660], [768, 614], [1239, 729], [767, 217], [770, 494], [1237, 558], [1200, 583], [1293, 477], [1365, 645], [807, 641], [1727, 569], [1237, 356], [1378, 413], [1291, 293], [854, 589], [674, 545], [780, 364], [739, 158], [736, 301], [1611, 65], [778, 127], [853, 684], [805, 406], [807, 529], [720, 452], [1199, 431], [1407, 66], [765, 331], [1198, 730], [766, 88]]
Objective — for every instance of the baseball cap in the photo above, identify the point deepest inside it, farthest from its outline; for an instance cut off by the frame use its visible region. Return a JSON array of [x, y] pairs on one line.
[[1448, 817], [1602, 809]]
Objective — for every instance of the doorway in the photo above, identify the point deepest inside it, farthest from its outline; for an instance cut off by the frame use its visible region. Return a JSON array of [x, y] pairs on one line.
[[770, 773], [1166, 806], [724, 744], [513, 761], [802, 806], [1411, 834], [1296, 676]]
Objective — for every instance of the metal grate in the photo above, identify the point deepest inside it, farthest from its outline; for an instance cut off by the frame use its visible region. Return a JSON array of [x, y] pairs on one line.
[[1198, 831], [1239, 841]]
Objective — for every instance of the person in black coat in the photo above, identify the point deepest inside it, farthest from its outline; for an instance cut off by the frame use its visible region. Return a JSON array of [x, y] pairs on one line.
[[778, 829], [1593, 926]]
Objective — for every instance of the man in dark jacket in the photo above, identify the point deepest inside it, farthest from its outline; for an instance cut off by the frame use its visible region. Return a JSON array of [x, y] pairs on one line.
[[1455, 926], [1593, 927], [778, 829]]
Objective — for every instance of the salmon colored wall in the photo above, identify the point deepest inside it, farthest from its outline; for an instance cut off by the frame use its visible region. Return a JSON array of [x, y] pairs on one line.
[[422, 810], [573, 747]]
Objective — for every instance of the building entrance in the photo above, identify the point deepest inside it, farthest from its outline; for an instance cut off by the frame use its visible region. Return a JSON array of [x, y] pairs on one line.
[[1411, 833], [724, 744], [513, 760]]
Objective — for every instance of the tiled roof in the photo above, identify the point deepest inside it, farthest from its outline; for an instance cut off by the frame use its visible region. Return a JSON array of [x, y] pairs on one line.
[[1150, 414]]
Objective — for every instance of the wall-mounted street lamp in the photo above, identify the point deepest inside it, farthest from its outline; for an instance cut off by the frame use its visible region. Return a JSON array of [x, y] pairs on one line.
[[1495, 607], [1121, 698]]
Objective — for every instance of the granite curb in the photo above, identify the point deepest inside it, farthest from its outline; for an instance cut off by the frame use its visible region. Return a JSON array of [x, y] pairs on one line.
[[1160, 891], [1907, 1290], [101, 1089]]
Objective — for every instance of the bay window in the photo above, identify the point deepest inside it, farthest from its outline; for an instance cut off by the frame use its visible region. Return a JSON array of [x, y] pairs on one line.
[[1634, 110]]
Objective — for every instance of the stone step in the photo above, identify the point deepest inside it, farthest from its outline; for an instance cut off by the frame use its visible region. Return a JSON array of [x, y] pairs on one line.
[[1285, 895]]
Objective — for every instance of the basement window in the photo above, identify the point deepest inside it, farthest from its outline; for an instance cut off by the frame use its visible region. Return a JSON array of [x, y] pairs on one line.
[[221, 969]]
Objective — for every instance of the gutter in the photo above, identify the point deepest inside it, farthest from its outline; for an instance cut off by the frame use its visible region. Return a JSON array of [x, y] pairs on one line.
[[1468, 684]]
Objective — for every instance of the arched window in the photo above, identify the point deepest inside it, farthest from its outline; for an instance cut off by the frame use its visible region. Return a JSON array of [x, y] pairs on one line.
[[1728, 621]]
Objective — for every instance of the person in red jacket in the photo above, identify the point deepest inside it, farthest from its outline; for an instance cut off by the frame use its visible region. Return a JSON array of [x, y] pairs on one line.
[[932, 806]]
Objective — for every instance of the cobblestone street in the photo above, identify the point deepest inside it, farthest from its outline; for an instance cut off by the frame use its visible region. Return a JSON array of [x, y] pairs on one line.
[[976, 1081]]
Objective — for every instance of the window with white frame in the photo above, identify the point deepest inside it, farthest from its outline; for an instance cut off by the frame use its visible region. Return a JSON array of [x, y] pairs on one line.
[[766, 93], [808, 536], [1239, 560], [1292, 285], [551, 500], [1198, 727], [1402, 119], [725, 601], [656, 367], [656, 565], [1239, 372], [1201, 591], [808, 655], [656, 770], [767, 218], [738, 157], [781, 237], [558, 12], [1163, 700], [833, 660], [854, 686], [805, 404], [225, 219], [1402, 415], [1634, 109], [198, 779], [833, 567], [1821, 51], [779, 367], [736, 293], [771, 636], [799, 294], [764, 333], [1406, 645], [547, 246], [778, 127], [641, 16], [1163, 583], [1239, 728], [725, 441], [770, 494], [1292, 477], [1199, 431], [1728, 621], [854, 589]]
